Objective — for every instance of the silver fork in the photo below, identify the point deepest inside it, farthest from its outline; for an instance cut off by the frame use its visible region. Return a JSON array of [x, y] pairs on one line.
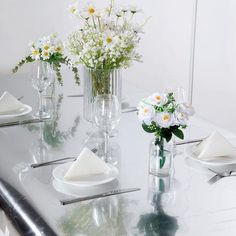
[[218, 176], [58, 161]]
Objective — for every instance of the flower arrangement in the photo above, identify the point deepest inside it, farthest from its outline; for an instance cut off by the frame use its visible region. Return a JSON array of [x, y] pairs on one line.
[[108, 38], [163, 116], [49, 49]]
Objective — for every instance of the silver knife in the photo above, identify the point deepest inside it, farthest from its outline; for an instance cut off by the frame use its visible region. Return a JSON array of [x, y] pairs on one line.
[[129, 109], [189, 141], [75, 96], [58, 161], [23, 122], [113, 192]]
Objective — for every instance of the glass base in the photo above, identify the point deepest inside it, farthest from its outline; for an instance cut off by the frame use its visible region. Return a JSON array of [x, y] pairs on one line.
[[42, 115]]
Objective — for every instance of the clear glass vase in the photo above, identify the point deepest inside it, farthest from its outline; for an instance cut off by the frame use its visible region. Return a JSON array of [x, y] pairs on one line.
[[100, 82], [161, 157]]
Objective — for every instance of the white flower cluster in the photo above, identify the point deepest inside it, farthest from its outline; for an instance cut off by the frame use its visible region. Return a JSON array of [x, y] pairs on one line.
[[162, 110], [45, 47], [108, 39]]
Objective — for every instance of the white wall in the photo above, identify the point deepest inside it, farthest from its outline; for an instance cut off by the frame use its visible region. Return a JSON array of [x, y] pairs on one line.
[[165, 46], [215, 83]]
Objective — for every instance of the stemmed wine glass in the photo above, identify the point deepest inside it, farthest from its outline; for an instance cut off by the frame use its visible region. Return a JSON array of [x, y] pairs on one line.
[[41, 79], [107, 114]]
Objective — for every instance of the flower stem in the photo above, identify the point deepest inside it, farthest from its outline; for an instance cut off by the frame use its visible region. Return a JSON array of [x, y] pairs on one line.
[[160, 143]]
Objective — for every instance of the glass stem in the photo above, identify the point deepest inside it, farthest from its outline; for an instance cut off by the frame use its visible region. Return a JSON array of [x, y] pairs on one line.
[[106, 140], [40, 104]]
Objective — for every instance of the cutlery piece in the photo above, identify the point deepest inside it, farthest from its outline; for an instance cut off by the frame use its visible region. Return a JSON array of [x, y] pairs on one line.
[[215, 178], [218, 176], [129, 109], [113, 192], [75, 96], [23, 122], [189, 141], [57, 161], [54, 162]]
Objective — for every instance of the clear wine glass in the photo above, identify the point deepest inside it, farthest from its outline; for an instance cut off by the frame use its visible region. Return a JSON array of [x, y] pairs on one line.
[[107, 114], [41, 79]]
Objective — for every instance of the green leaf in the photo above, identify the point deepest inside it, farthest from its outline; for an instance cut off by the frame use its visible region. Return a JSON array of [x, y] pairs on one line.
[[149, 128], [178, 133], [167, 134]]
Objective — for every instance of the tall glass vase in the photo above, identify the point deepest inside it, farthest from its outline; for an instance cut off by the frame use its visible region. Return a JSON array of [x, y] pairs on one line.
[[100, 82], [161, 157]]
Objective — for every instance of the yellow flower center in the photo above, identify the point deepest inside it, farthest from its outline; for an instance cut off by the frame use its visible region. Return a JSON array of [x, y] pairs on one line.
[[145, 110], [109, 40], [45, 47], [73, 10], [58, 49], [45, 54], [91, 10], [36, 52], [166, 117], [158, 97]]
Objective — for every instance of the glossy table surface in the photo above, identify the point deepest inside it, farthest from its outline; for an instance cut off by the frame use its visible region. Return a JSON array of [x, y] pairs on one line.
[[184, 204]]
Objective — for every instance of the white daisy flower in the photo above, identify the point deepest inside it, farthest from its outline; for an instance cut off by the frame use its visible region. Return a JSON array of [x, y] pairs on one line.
[[164, 119], [35, 54], [46, 46], [146, 112], [90, 9], [73, 8], [45, 55], [158, 99], [181, 118], [59, 48]]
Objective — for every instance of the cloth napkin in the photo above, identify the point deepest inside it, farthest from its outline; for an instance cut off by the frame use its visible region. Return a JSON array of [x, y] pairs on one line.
[[214, 146], [87, 164], [9, 103]]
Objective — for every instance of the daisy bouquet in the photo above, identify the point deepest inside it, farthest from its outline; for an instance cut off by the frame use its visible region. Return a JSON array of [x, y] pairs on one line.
[[49, 49], [163, 116], [106, 40]]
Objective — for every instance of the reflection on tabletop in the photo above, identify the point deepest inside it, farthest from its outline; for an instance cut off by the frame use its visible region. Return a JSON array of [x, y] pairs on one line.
[[49, 132], [108, 216], [158, 222]]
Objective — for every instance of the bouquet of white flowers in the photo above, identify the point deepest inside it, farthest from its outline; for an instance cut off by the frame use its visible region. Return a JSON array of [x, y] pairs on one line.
[[163, 116], [49, 49], [108, 38]]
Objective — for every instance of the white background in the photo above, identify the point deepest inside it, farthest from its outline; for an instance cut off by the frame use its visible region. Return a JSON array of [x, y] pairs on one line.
[[165, 46]]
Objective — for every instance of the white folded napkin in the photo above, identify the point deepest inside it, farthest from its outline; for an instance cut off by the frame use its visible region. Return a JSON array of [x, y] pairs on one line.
[[214, 146], [87, 164], [9, 103]]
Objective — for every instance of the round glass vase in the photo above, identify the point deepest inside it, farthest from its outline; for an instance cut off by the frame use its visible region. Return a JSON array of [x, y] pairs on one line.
[[100, 82], [161, 157]]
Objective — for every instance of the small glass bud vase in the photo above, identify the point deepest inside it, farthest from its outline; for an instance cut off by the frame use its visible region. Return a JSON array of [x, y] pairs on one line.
[[161, 157]]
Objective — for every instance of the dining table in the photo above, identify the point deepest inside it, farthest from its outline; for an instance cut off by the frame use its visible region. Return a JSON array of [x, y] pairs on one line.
[[184, 203]]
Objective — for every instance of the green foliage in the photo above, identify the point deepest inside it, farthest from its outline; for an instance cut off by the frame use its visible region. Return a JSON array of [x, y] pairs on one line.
[[149, 128], [177, 132], [56, 60]]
